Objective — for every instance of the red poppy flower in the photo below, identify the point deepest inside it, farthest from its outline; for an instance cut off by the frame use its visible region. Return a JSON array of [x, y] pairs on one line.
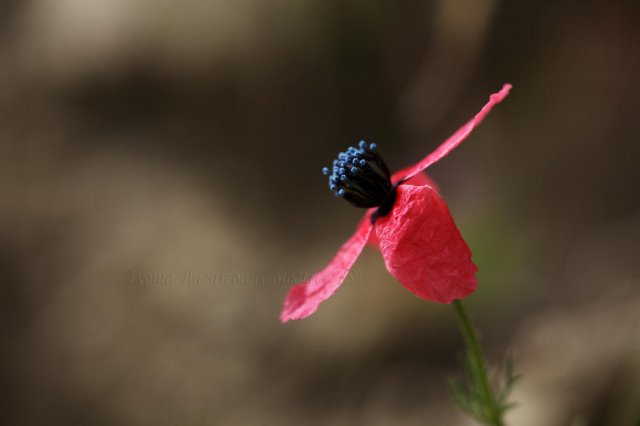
[[406, 219]]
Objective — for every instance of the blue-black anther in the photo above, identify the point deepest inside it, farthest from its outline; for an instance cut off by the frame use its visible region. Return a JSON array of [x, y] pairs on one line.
[[360, 176]]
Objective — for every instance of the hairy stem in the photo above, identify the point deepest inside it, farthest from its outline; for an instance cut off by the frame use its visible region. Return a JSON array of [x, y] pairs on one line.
[[490, 407]]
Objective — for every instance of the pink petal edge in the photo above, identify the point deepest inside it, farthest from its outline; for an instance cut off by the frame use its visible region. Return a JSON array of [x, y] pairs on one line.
[[419, 179], [458, 137], [303, 299]]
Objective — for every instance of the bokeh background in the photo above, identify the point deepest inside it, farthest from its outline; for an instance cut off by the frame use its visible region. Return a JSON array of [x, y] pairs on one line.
[[160, 191]]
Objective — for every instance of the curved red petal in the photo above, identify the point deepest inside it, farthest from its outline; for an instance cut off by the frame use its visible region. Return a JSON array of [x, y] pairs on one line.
[[422, 247], [458, 137], [303, 299], [420, 179]]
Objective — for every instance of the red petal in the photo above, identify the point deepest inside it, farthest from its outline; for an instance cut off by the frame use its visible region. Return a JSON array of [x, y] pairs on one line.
[[303, 299], [422, 247], [458, 137], [419, 179], [366, 221]]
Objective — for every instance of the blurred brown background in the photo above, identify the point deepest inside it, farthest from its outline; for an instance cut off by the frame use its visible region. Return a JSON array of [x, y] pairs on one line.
[[161, 190]]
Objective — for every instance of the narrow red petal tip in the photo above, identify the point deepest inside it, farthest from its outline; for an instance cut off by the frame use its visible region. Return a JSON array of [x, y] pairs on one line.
[[423, 249], [459, 136], [303, 299], [497, 97]]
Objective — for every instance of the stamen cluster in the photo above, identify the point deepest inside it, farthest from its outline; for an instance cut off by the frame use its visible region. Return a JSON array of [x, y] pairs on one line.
[[360, 176]]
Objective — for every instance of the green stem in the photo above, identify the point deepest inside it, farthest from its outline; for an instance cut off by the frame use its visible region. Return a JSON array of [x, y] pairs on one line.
[[478, 367]]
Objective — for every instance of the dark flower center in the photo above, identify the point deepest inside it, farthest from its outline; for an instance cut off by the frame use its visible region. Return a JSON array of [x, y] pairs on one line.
[[360, 176]]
